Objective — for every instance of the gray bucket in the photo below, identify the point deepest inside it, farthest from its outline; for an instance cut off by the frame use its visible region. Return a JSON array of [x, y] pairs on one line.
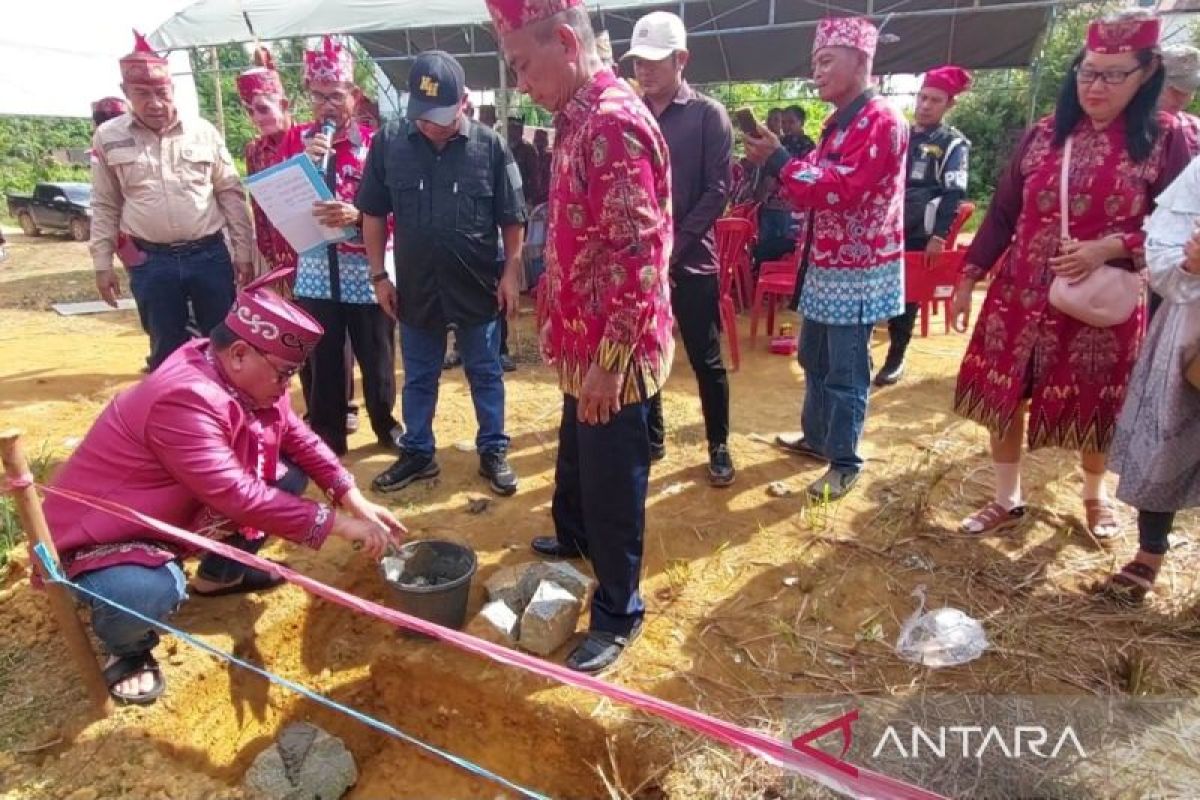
[[434, 580]]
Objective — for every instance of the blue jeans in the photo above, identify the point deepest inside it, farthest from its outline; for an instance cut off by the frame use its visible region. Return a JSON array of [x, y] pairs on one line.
[[220, 569], [164, 284], [158, 591], [422, 351], [837, 376], [599, 507], [154, 591]]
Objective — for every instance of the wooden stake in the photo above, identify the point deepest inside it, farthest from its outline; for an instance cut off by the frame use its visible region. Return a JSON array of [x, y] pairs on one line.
[[62, 604]]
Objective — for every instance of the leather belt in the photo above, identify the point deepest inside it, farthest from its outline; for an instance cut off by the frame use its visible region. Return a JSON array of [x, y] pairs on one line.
[[177, 248]]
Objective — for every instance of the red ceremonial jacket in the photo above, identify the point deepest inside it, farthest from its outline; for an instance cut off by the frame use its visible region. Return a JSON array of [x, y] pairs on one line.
[[605, 298]]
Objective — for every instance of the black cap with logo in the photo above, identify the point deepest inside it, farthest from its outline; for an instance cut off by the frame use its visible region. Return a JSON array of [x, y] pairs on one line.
[[436, 85]]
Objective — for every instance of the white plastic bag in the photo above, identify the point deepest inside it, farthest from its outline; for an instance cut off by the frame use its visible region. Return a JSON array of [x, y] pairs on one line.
[[944, 637]]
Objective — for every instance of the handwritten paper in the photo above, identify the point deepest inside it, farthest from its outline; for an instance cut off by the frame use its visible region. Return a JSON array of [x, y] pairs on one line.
[[286, 193]]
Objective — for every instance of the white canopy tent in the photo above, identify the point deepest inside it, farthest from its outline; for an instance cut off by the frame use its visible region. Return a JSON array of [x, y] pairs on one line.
[[210, 22], [731, 40], [56, 58]]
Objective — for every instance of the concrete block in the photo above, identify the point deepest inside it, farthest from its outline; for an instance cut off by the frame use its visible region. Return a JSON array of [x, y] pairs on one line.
[[509, 584], [305, 764], [496, 622], [565, 575], [549, 619]]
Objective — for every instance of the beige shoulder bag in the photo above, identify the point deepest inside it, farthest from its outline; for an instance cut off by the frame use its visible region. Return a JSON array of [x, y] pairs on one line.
[[1106, 297]]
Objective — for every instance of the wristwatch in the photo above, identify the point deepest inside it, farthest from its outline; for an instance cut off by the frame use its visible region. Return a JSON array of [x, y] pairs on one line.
[[380, 276]]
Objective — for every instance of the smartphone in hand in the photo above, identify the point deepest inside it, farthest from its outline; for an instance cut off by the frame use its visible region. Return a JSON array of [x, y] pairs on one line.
[[746, 121]]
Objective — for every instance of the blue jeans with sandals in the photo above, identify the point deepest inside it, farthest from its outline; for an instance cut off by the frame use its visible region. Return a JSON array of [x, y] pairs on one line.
[[157, 592]]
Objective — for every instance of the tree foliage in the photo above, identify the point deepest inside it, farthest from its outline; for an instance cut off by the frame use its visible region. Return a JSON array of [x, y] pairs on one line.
[[1002, 103], [26, 151]]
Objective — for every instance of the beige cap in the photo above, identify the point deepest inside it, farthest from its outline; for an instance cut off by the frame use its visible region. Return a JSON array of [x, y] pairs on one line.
[[656, 36]]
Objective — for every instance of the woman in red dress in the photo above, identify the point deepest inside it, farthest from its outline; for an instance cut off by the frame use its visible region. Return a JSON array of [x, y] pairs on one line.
[[262, 95], [1026, 357]]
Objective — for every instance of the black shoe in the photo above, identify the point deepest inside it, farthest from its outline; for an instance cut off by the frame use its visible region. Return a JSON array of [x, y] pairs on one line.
[[452, 360], [550, 547], [408, 468], [801, 448], [600, 650], [494, 466], [720, 466], [833, 485], [892, 371], [657, 452], [507, 364]]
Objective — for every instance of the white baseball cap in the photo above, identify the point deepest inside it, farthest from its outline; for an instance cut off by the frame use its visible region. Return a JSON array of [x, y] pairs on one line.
[[656, 36]]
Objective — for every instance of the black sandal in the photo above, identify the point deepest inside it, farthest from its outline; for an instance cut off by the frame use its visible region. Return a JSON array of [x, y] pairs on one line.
[[253, 580], [128, 666], [1129, 585]]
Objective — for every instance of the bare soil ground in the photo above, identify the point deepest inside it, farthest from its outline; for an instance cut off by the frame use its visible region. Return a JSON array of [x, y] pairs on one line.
[[754, 603]]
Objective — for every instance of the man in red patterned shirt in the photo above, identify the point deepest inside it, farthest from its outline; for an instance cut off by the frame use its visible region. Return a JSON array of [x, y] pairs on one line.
[[605, 309], [851, 190]]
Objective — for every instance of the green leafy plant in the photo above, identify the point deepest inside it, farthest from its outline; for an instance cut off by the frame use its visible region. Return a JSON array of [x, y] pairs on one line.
[[11, 530]]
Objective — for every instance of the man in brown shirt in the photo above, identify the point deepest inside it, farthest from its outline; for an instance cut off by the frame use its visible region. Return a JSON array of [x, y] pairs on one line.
[[171, 187]]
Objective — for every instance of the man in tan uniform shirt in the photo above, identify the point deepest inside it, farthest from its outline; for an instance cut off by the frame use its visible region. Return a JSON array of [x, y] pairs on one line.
[[171, 187]]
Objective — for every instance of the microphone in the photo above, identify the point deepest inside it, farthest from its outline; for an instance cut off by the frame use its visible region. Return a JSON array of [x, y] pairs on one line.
[[327, 128]]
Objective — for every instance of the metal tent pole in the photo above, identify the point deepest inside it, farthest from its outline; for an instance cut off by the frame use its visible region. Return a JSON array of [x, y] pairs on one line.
[[502, 92]]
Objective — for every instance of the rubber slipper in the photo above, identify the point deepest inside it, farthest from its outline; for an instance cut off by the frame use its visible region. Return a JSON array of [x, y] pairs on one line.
[[128, 666]]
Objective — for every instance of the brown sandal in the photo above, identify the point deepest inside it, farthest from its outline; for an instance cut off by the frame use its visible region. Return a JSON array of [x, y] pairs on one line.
[[1102, 523], [1131, 584], [991, 520]]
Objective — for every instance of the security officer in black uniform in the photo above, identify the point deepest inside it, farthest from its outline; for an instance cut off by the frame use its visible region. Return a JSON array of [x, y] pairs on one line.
[[453, 190], [935, 187]]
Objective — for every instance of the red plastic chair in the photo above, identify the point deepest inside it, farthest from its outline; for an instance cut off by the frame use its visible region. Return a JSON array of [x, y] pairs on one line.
[[966, 210], [931, 281], [776, 281], [743, 274], [733, 237]]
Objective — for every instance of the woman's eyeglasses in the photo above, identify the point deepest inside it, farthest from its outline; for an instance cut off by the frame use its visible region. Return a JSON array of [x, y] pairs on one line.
[[1109, 77]]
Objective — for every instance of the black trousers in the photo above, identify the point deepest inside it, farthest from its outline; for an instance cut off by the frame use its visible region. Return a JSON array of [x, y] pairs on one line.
[[372, 336], [599, 507], [306, 380], [694, 299], [900, 329], [223, 570], [1154, 528]]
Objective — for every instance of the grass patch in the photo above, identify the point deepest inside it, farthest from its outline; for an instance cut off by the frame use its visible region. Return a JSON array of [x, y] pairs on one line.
[[12, 533]]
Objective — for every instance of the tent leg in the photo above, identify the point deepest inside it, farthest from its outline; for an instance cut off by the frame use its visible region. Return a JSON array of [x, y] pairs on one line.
[[29, 507], [502, 92], [216, 67]]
